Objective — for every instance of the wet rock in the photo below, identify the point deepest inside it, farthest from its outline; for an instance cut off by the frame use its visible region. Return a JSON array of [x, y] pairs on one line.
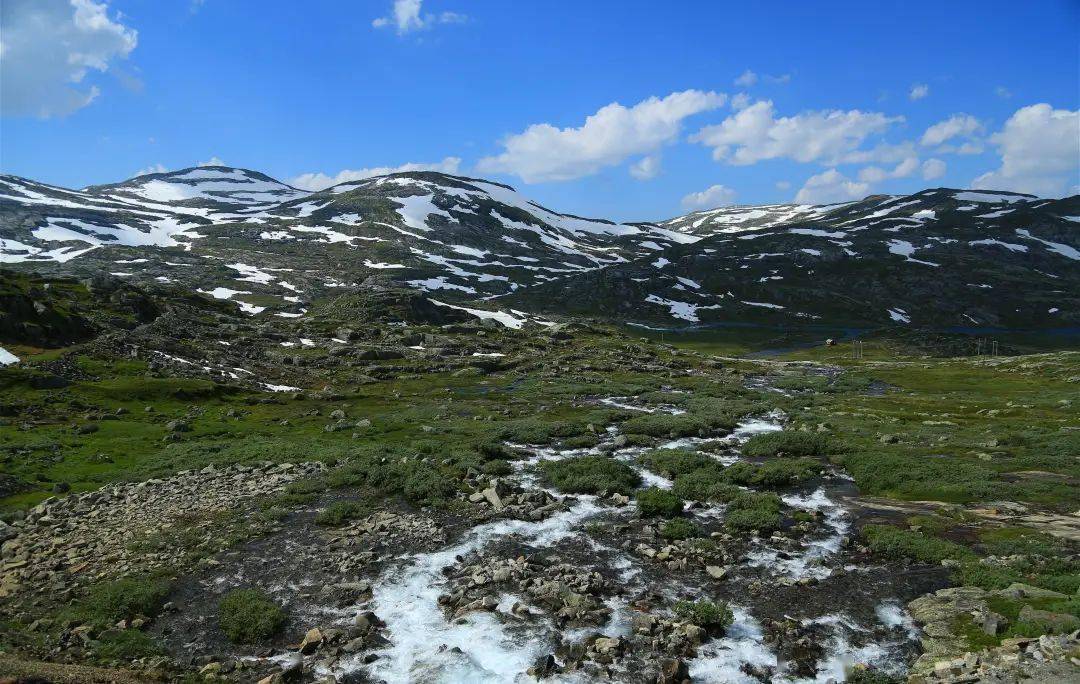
[[312, 640], [544, 666], [673, 671]]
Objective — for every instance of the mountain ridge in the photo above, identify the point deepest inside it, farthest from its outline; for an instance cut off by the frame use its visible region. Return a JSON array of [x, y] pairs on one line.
[[241, 235]]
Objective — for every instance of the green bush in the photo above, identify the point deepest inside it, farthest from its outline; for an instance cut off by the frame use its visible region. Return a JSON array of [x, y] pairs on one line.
[[776, 473], [249, 616], [540, 430], [897, 543], [591, 475], [655, 502], [707, 614], [663, 425], [497, 467], [342, 511], [679, 528], [673, 462], [749, 511], [124, 599], [789, 443], [705, 484], [581, 441], [127, 644]]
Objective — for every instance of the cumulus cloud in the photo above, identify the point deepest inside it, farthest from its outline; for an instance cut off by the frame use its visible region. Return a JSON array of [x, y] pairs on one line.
[[49, 47], [755, 133], [933, 168], [918, 91], [407, 16], [1040, 153], [713, 196], [956, 125], [646, 167], [830, 187], [876, 174], [543, 152], [212, 161], [321, 181]]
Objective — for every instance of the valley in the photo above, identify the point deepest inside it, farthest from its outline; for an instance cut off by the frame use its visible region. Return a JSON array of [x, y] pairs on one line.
[[416, 428]]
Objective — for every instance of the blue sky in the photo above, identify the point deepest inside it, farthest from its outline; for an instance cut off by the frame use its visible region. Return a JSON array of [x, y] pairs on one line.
[[751, 102]]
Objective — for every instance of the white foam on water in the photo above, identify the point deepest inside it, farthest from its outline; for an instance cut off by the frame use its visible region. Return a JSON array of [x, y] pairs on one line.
[[722, 660], [812, 561], [405, 597]]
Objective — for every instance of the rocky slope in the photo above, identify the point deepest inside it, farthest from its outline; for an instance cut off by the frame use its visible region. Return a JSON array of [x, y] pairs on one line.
[[939, 258]]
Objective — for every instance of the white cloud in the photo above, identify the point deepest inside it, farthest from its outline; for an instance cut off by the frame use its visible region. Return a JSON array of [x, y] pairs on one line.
[[646, 167], [321, 181], [919, 91], [212, 161], [956, 125], [755, 133], [875, 174], [747, 79], [830, 187], [407, 16], [933, 168], [48, 48], [740, 102], [543, 152], [1040, 153], [783, 185], [1003, 92], [713, 196], [153, 168]]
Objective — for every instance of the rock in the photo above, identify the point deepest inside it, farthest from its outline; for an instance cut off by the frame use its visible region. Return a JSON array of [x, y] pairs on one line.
[[888, 439], [337, 414], [367, 621], [311, 642], [715, 571], [992, 623], [493, 498], [293, 669], [61, 488], [1020, 590], [177, 426], [544, 666], [1056, 623], [673, 671]]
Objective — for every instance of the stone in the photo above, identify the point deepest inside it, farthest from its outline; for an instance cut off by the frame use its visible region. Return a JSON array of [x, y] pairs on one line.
[[673, 671], [311, 642], [715, 571], [493, 498], [1054, 622], [544, 666]]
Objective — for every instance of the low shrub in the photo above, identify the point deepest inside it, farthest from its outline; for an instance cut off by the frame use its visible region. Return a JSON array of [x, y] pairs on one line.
[[707, 614], [590, 475], [789, 443], [124, 599], [249, 616], [673, 462], [679, 528], [655, 502], [498, 467], [342, 511]]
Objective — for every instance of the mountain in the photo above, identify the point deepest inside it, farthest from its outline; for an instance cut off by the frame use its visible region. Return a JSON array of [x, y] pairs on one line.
[[937, 258]]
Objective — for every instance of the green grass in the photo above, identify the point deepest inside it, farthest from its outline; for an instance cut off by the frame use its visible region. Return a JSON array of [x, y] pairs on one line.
[[590, 475], [249, 616], [896, 543]]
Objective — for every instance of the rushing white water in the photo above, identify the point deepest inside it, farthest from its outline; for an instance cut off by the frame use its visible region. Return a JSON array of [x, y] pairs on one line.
[[478, 648], [812, 560], [721, 660]]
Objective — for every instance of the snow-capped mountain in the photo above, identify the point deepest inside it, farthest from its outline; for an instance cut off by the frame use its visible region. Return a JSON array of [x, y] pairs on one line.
[[936, 256], [939, 257]]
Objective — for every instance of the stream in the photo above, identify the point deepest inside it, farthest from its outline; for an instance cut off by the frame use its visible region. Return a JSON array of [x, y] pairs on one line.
[[499, 646]]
